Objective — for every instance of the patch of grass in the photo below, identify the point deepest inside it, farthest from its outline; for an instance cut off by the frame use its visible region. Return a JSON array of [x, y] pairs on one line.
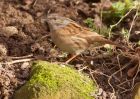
[[90, 23], [102, 31], [117, 11]]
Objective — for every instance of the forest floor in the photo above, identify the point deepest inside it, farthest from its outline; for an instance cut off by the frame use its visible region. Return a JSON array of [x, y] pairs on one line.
[[25, 36]]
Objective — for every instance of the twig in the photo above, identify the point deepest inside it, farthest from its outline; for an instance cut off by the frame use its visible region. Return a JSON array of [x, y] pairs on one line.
[[132, 24], [90, 70], [17, 61], [123, 82], [21, 57], [85, 67], [101, 12], [126, 90], [98, 72], [34, 3], [112, 26], [42, 38], [109, 79], [133, 81], [136, 73], [119, 64], [121, 87]]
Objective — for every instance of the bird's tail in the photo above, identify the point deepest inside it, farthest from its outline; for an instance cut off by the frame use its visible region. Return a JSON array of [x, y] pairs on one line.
[[101, 40]]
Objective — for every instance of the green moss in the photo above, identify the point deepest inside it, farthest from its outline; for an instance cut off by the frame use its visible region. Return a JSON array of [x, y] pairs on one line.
[[51, 81]]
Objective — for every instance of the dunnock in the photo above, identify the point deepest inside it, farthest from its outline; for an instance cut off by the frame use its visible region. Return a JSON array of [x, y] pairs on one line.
[[71, 37]]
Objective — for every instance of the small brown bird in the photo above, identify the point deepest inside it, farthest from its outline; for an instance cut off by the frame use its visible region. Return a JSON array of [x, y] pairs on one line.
[[71, 37]]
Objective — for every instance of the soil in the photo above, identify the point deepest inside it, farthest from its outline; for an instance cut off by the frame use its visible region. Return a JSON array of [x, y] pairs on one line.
[[110, 70]]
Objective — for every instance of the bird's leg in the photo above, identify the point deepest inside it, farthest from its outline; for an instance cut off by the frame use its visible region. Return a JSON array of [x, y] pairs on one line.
[[70, 59]]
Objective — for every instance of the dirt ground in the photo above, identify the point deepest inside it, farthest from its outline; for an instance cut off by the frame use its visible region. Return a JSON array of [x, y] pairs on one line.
[[113, 71]]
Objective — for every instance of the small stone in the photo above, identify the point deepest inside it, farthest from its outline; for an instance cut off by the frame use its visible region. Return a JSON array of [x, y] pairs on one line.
[[38, 14], [9, 31], [27, 2], [24, 65], [100, 91], [1, 66], [91, 62], [3, 50], [7, 83]]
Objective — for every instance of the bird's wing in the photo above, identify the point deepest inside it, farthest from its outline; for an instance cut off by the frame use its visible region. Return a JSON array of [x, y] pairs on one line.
[[91, 36], [74, 30], [78, 30]]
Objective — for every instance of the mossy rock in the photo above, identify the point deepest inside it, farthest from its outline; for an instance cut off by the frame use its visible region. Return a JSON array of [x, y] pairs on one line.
[[51, 81], [136, 91]]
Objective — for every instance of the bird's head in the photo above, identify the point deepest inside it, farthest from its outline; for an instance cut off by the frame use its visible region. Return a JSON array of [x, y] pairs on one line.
[[56, 21]]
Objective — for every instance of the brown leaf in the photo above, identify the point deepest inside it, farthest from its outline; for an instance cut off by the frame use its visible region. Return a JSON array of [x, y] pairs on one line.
[[132, 71]]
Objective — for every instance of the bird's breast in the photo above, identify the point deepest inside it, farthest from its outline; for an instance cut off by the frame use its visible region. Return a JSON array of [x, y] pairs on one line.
[[67, 43]]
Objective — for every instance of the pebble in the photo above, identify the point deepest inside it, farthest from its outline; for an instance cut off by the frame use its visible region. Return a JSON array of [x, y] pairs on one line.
[[9, 31], [25, 65], [3, 50], [28, 2]]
